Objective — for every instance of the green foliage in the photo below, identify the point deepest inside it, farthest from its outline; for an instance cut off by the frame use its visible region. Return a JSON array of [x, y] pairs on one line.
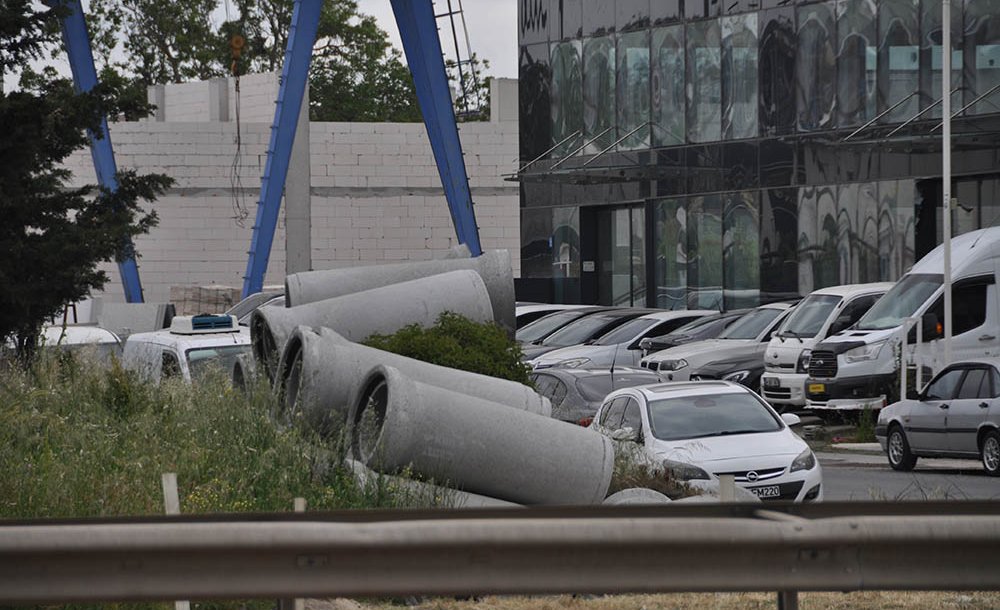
[[457, 342], [53, 236], [866, 427]]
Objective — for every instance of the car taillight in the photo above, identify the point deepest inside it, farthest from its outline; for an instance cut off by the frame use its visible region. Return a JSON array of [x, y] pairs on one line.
[[586, 421]]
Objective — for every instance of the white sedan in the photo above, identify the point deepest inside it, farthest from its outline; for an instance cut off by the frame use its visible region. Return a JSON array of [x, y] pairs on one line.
[[699, 429]]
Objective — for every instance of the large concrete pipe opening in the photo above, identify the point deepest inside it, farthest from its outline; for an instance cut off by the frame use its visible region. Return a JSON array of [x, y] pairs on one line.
[[381, 310], [476, 445], [319, 373], [494, 267]]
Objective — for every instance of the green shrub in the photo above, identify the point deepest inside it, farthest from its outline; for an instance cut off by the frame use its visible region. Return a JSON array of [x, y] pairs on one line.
[[457, 342]]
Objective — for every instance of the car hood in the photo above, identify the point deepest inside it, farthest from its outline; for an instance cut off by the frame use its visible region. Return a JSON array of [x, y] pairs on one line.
[[783, 445], [863, 336], [599, 355], [701, 353], [533, 351]]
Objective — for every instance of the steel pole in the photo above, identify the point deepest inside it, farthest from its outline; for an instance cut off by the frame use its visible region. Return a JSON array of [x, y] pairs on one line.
[[946, 167]]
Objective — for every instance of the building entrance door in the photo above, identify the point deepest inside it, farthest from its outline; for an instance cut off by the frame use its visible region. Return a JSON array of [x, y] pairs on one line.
[[621, 256]]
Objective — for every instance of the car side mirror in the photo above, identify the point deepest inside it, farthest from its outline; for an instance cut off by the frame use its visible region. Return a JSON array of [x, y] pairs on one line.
[[932, 327], [791, 419]]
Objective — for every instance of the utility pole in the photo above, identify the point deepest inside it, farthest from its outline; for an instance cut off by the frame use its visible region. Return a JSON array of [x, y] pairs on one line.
[[946, 167]]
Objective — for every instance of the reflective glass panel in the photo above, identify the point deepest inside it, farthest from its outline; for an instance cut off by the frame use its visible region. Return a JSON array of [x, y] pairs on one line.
[[567, 97], [779, 262], [777, 71], [930, 54], [550, 242], [704, 82], [668, 86], [533, 97], [864, 238], [899, 58], [670, 250], [739, 76], [599, 92], [741, 250], [705, 252], [857, 59], [633, 90], [982, 39], [816, 68]]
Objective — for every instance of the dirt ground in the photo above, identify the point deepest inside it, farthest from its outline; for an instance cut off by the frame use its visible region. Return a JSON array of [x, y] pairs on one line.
[[875, 600]]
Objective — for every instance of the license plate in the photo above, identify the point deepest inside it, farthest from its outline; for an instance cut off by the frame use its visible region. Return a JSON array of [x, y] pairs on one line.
[[770, 382], [817, 388], [771, 491]]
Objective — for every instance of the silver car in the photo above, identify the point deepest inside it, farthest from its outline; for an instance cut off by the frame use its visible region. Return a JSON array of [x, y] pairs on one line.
[[956, 415]]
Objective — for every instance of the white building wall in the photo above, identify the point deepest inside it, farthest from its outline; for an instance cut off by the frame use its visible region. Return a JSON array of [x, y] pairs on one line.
[[376, 194]]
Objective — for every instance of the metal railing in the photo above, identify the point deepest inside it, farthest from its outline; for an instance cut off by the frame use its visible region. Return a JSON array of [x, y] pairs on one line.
[[698, 547]]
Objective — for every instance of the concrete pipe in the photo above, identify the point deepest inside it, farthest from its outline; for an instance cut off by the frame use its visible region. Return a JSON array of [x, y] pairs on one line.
[[479, 446], [244, 373], [636, 496], [319, 372], [420, 493], [380, 310], [493, 266]]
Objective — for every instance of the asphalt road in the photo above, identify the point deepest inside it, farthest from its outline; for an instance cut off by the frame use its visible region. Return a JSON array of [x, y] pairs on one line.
[[863, 476]]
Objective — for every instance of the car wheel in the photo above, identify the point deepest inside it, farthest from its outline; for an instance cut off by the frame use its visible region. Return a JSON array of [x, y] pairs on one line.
[[991, 453], [898, 450]]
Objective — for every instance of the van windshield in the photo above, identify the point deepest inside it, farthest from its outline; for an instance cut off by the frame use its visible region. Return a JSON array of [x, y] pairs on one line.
[[752, 324], [809, 316], [201, 359], [902, 301]]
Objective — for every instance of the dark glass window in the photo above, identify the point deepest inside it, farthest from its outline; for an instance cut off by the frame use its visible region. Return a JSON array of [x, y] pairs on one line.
[[598, 17], [631, 14], [779, 260], [819, 260], [694, 9], [668, 86], [704, 252], [533, 96], [899, 58], [551, 387], [777, 71], [633, 90], [670, 251], [857, 233], [550, 242], [943, 388], [982, 65], [599, 92], [857, 59], [969, 305], [567, 97], [665, 11], [704, 82], [739, 76], [739, 161], [777, 163], [741, 250], [975, 385], [633, 416], [816, 69], [930, 56], [704, 168], [533, 21]]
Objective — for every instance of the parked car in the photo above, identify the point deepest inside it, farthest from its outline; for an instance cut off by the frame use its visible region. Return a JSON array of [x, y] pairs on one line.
[[957, 415], [708, 327], [245, 308], [619, 347], [745, 370], [577, 393], [583, 330], [103, 343], [711, 428], [858, 369], [747, 337], [822, 314], [526, 313], [191, 346], [545, 326]]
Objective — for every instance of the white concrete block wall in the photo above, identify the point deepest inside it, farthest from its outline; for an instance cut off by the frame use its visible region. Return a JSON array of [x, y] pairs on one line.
[[376, 194], [257, 95], [187, 102]]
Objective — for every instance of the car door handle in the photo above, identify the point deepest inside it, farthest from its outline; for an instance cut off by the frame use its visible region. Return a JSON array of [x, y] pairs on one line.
[[943, 406], [984, 405], [987, 338]]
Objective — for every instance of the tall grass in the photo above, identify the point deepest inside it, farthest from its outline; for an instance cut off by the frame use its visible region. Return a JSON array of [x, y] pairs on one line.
[[81, 440]]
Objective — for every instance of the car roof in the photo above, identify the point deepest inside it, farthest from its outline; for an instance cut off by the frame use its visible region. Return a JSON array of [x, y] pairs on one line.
[[531, 307], [777, 305], [676, 389], [166, 337], [849, 290], [77, 335], [677, 313], [994, 361]]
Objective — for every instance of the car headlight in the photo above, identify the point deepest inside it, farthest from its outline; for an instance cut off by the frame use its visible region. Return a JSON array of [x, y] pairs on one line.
[[803, 364], [864, 353], [682, 471], [805, 461], [737, 376], [572, 363], [672, 365]]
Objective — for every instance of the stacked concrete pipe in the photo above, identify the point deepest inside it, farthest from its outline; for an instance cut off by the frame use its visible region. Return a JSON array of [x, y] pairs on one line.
[[381, 310], [320, 370], [493, 267], [476, 445], [422, 493]]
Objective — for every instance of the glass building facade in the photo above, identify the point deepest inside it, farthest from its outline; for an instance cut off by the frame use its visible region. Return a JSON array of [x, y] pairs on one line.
[[696, 153]]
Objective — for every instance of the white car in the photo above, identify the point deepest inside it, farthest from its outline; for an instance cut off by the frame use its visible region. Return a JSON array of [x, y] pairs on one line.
[[710, 428], [957, 415], [189, 347], [526, 313], [619, 347]]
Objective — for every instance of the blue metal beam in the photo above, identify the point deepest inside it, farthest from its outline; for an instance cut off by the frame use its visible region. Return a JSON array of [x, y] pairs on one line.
[[418, 31], [294, 77], [81, 61]]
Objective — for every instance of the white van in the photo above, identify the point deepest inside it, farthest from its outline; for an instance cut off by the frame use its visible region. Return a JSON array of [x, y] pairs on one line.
[[858, 368], [823, 313], [190, 346]]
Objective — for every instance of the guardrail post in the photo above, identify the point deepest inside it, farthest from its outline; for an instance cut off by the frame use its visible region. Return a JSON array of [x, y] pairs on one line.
[[299, 506], [172, 506], [788, 600]]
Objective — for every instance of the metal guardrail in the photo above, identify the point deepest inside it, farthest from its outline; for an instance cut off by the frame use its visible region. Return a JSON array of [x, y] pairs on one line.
[[921, 546]]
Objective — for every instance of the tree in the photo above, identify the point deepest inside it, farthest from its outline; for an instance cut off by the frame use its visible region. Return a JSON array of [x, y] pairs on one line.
[[54, 236]]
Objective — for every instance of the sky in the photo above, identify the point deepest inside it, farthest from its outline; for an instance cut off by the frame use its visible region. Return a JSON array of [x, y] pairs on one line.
[[492, 26]]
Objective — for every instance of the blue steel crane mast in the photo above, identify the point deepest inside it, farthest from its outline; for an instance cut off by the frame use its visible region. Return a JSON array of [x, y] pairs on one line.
[[418, 31], [81, 61]]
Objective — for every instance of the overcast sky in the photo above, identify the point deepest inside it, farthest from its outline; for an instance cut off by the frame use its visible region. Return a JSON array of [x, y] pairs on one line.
[[492, 28]]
